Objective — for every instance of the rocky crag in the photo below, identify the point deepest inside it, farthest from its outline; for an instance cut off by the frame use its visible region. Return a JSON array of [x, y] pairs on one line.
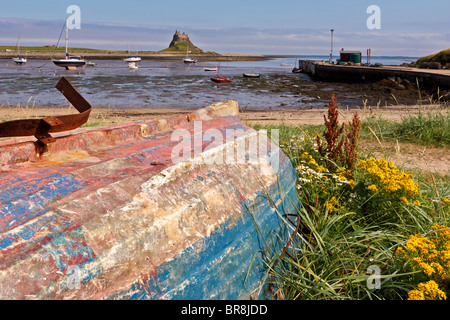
[[181, 43]]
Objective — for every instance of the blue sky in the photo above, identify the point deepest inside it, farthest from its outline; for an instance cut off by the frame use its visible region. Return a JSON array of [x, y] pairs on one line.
[[300, 27]]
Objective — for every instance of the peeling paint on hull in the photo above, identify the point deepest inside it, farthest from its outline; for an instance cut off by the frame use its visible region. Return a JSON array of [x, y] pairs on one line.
[[107, 214]]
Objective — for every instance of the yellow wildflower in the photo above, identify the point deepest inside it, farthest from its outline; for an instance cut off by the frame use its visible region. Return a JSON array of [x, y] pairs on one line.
[[351, 183], [417, 203], [386, 174], [330, 204], [416, 295], [373, 188], [404, 200], [431, 255], [427, 269], [400, 250], [427, 291], [446, 200]]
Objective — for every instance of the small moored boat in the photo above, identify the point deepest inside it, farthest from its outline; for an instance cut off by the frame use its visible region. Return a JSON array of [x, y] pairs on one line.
[[295, 69], [220, 79], [132, 59], [188, 60], [251, 75], [19, 59], [132, 65], [70, 62]]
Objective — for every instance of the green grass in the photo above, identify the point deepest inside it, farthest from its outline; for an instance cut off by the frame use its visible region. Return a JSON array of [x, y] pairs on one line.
[[330, 255], [431, 129], [442, 56], [181, 47], [426, 128]]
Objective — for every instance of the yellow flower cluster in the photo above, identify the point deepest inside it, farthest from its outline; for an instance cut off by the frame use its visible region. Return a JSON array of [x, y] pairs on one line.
[[331, 203], [384, 175], [311, 172], [404, 199], [346, 175], [312, 163], [427, 291], [431, 255]]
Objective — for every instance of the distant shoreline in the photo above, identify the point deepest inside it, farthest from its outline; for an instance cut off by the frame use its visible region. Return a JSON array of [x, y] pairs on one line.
[[144, 55]]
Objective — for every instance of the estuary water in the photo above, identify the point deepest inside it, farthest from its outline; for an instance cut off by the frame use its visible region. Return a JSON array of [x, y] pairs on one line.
[[162, 83]]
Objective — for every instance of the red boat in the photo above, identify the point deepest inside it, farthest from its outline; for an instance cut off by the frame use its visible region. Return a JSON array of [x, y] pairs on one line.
[[220, 79], [216, 78]]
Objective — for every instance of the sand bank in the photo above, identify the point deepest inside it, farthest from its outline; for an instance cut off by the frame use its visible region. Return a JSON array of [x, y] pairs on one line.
[[110, 116]]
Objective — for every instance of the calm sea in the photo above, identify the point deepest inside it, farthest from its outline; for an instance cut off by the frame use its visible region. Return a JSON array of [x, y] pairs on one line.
[[156, 83]]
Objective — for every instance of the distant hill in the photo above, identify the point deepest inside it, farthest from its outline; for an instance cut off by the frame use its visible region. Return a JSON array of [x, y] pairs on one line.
[[442, 57], [181, 44]]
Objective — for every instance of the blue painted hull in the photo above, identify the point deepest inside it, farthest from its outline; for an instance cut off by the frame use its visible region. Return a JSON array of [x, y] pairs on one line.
[[229, 264]]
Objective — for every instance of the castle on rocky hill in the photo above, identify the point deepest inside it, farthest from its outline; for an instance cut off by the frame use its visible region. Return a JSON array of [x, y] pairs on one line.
[[181, 43]]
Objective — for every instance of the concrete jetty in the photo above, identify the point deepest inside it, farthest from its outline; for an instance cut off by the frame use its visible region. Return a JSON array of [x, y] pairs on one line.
[[429, 78]]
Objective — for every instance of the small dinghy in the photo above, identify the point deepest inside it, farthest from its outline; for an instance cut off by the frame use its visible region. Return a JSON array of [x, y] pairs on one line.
[[219, 79], [251, 75], [132, 65]]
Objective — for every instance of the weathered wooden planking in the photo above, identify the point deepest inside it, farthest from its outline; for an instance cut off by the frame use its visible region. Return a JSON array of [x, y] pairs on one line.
[[107, 214]]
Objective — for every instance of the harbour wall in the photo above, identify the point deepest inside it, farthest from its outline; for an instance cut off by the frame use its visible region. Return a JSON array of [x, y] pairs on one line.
[[345, 73]]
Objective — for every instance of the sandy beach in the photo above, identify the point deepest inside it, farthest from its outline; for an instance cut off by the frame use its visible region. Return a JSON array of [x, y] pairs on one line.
[[288, 117]]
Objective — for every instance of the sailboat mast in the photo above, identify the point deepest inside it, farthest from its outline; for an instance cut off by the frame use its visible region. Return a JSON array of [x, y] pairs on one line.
[[17, 46], [67, 36]]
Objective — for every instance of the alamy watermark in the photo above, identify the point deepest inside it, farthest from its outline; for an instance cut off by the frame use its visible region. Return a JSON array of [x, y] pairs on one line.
[[236, 146], [374, 280], [74, 20], [73, 277], [72, 272], [374, 20]]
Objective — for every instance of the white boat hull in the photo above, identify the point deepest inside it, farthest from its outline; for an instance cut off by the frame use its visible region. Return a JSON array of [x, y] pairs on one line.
[[132, 65], [20, 60], [70, 64], [189, 61], [132, 59]]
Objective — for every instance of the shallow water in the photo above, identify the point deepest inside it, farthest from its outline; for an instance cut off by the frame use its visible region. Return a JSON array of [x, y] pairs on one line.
[[157, 84]]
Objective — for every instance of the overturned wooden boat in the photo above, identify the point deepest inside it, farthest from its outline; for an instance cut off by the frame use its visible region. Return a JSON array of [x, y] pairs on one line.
[[154, 209]]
